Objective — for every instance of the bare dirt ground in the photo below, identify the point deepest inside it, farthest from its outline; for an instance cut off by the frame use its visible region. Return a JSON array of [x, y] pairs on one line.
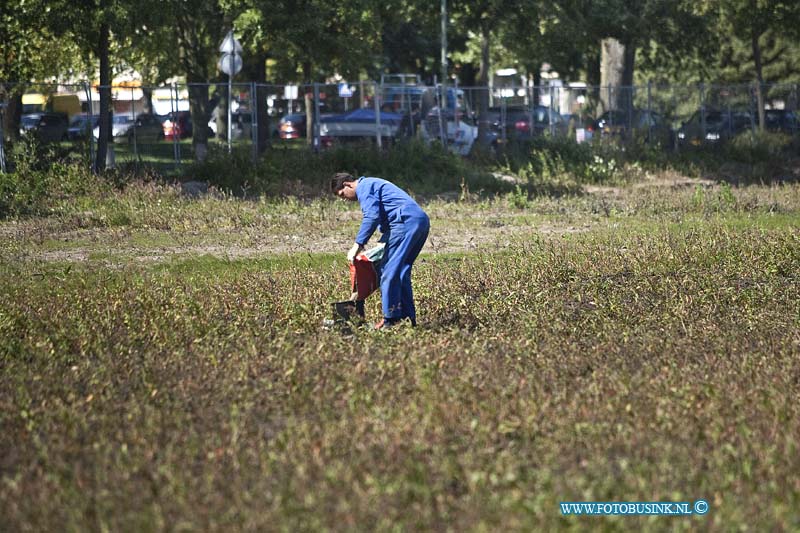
[[444, 238], [455, 228]]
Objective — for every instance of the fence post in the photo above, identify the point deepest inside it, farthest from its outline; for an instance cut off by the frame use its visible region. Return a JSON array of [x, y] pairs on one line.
[[649, 112], [134, 136], [173, 118], [442, 116], [676, 139], [377, 107], [531, 104], [316, 141], [551, 124], [254, 119], [90, 120], [3, 106], [702, 112], [730, 115], [753, 99], [629, 105], [503, 119], [611, 108], [794, 110]]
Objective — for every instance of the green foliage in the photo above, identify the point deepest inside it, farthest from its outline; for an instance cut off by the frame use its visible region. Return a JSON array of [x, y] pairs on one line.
[[714, 201], [414, 165], [43, 175], [563, 162], [759, 146]]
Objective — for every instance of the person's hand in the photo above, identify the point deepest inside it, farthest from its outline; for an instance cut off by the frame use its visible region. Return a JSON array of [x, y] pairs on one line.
[[354, 251]]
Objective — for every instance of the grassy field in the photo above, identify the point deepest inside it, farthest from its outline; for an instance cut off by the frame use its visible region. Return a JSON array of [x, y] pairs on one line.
[[162, 364]]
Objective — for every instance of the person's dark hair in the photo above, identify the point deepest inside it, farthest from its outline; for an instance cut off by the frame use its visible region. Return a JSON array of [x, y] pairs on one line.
[[338, 179]]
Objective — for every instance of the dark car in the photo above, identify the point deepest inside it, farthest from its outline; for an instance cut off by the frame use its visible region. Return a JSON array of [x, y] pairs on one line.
[[80, 127], [46, 127], [516, 121], [633, 124], [292, 126], [146, 128], [712, 126], [783, 120]]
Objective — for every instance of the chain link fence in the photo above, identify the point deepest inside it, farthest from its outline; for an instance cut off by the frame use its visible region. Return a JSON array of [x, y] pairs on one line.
[[168, 126]]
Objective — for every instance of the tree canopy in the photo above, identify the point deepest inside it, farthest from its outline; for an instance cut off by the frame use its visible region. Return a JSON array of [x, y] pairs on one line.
[[311, 40]]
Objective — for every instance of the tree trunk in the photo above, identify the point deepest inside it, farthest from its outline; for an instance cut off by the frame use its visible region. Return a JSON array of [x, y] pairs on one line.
[[104, 152], [537, 86], [222, 111], [198, 107], [611, 71], [625, 100], [147, 92], [483, 81], [13, 115], [760, 79]]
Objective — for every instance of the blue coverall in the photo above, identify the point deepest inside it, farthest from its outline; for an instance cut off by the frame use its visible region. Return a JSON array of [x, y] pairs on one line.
[[405, 228]]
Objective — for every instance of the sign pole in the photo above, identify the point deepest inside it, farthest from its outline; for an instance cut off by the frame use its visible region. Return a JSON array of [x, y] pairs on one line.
[[230, 101], [230, 63]]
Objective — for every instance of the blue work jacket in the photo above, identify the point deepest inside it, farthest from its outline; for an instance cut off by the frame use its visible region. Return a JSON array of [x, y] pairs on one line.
[[383, 205]]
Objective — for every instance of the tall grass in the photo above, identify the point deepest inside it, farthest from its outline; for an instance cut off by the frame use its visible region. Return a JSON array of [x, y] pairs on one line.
[[658, 365]]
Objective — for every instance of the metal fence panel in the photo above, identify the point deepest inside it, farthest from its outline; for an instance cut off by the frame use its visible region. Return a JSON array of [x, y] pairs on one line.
[[153, 125]]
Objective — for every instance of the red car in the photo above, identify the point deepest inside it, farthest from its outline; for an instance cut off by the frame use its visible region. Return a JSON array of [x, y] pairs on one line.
[[178, 125]]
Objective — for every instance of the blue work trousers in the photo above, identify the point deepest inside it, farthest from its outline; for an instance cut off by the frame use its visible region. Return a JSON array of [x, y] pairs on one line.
[[403, 247]]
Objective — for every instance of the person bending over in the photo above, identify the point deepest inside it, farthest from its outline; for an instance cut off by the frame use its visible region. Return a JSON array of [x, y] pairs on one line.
[[404, 226]]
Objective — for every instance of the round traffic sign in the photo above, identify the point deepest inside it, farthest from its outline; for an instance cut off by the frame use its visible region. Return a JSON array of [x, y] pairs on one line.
[[230, 64]]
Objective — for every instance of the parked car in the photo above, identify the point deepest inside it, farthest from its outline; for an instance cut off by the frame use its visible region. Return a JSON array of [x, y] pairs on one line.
[[241, 124], [146, 128], [177, 125], [125, 129], [292, 126], [516, 121], [46, 127], [120, 124], [80, 126], [784, 120], [633, 124], [712, 126]]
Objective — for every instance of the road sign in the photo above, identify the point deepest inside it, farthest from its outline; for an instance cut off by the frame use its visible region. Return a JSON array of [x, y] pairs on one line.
[[345, 91], [230, 45], [290, 92], [225, 64]]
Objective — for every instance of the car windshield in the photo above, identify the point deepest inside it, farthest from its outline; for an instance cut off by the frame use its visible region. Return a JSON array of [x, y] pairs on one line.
[[31, 120], [615, 117], [714, 118], [79, 121]]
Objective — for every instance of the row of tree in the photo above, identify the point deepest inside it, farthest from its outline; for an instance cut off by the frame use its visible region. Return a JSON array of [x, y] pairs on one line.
[[309, 40]]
